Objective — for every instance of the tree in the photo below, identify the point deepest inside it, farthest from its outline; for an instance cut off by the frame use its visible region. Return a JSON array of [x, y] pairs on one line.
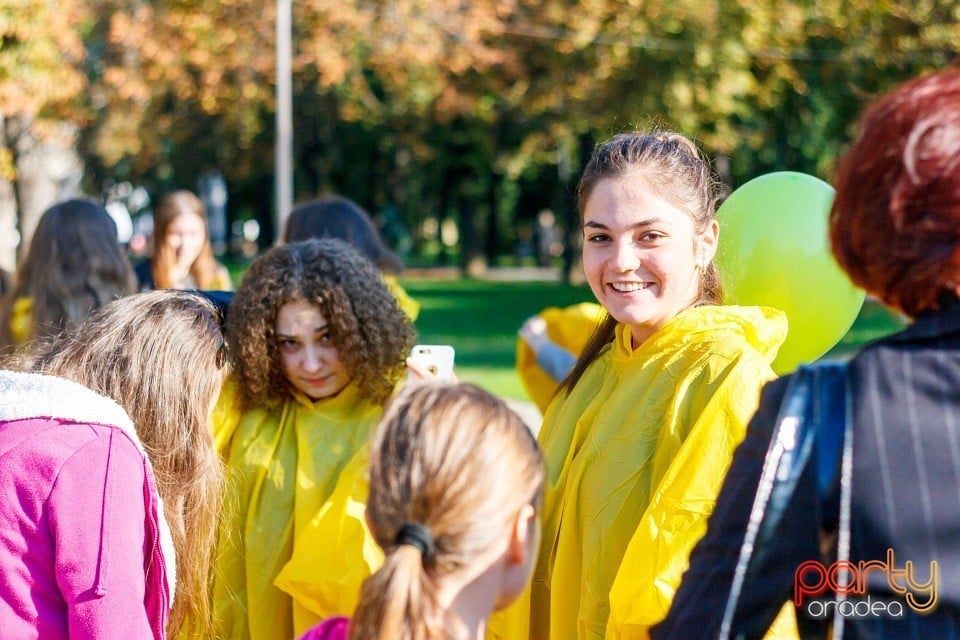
[[409, 103], [41, 79]]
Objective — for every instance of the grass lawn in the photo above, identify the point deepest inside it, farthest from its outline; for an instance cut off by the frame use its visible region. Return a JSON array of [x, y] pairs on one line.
[[480, 319]]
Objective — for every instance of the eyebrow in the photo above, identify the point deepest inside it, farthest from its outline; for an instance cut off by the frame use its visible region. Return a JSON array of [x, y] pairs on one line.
[[637, 225], [317, 330]]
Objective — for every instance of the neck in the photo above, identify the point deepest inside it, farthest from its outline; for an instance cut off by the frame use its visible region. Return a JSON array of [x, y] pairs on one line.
[[471, 601]]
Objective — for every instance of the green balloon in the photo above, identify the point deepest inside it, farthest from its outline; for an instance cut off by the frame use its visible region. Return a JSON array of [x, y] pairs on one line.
[[774, 251]]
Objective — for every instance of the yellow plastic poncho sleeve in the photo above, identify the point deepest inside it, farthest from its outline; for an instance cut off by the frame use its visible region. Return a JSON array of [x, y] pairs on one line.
[[639, 447], [570, 328], [283, 465], [407, 304]]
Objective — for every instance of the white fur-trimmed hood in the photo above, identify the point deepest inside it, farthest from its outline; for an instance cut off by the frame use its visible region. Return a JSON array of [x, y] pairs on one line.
[[33, 395]]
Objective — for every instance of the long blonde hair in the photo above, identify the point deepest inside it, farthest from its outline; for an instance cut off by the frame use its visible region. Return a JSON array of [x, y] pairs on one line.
[[204, 268], [160, 355], [458, 462]]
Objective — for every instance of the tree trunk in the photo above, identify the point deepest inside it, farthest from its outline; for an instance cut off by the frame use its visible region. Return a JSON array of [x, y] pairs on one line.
[[9, 236], [471, 259], [47, 171]]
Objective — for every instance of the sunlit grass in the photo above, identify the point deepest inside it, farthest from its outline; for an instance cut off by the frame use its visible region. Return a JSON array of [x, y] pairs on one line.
[[480, 319]]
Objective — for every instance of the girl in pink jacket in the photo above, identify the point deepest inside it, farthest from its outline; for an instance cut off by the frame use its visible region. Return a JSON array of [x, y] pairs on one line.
[[86, 550]]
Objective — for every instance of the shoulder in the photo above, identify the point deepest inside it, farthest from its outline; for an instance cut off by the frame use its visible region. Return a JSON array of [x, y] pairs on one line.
[[109, 453], [46, 441], [222, 280], [330, 629], [41, 450], [21, 319], [758, 329]]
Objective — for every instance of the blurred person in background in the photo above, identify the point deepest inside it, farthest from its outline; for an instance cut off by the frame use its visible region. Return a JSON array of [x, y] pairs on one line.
[[181, 254], [74, 265], [335, 216], [5, 282]]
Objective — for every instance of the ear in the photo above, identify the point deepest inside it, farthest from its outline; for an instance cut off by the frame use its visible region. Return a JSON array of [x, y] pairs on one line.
[[707, 243], [521, 532]]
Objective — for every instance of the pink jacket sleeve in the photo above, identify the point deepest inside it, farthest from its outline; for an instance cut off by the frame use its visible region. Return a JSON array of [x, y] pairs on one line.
[[330, 629], [99, 509]]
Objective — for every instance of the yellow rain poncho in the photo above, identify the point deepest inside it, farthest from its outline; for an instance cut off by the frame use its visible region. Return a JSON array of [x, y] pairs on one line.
[[282, 467], [636, 454]]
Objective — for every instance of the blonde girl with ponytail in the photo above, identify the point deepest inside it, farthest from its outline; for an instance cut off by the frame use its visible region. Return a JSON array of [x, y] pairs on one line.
[[455, 487]]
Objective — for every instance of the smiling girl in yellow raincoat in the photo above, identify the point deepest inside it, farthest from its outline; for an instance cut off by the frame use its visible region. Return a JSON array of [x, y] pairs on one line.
[[319, 344], [641, 432]]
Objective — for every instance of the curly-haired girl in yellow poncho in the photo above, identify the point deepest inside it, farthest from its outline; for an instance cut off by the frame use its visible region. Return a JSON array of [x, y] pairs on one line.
[[319, 344]]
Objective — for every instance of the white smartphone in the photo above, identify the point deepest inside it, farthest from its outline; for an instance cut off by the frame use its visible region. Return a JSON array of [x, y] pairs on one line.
[[436, 358]]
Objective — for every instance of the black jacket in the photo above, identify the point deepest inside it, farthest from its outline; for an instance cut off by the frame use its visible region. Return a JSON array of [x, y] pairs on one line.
[[906, 497]]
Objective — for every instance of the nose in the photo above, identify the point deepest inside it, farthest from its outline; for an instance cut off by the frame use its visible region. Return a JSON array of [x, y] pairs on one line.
[[312, 359], [625, 257]]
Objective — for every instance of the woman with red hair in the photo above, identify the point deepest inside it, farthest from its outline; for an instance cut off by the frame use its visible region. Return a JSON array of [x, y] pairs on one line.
[[895, 229]]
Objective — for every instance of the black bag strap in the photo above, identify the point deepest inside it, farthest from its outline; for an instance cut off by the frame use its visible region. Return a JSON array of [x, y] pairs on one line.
[[813, 427]]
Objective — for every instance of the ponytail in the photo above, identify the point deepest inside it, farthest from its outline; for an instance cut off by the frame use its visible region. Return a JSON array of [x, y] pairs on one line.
[[451, 467], [399, 602]]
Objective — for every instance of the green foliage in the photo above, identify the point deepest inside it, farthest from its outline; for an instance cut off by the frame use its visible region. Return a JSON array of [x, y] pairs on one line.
[[442, 108]]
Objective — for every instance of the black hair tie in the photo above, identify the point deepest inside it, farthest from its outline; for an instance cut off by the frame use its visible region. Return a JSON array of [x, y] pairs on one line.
[[416, 535]]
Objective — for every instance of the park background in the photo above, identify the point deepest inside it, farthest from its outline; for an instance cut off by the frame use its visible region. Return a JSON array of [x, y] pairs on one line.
[[454, 123]]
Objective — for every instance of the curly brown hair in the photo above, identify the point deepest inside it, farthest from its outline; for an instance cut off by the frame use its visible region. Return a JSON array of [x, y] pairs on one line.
[[370, 330]]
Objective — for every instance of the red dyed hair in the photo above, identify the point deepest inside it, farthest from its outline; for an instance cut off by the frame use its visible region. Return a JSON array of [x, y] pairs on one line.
[[895, 222]]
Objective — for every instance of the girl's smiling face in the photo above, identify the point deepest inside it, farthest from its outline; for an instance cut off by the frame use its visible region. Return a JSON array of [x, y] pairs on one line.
[[642, 256], [308, 356]]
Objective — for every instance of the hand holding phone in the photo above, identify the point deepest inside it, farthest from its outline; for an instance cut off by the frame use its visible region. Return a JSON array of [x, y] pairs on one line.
[[431, 361]]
